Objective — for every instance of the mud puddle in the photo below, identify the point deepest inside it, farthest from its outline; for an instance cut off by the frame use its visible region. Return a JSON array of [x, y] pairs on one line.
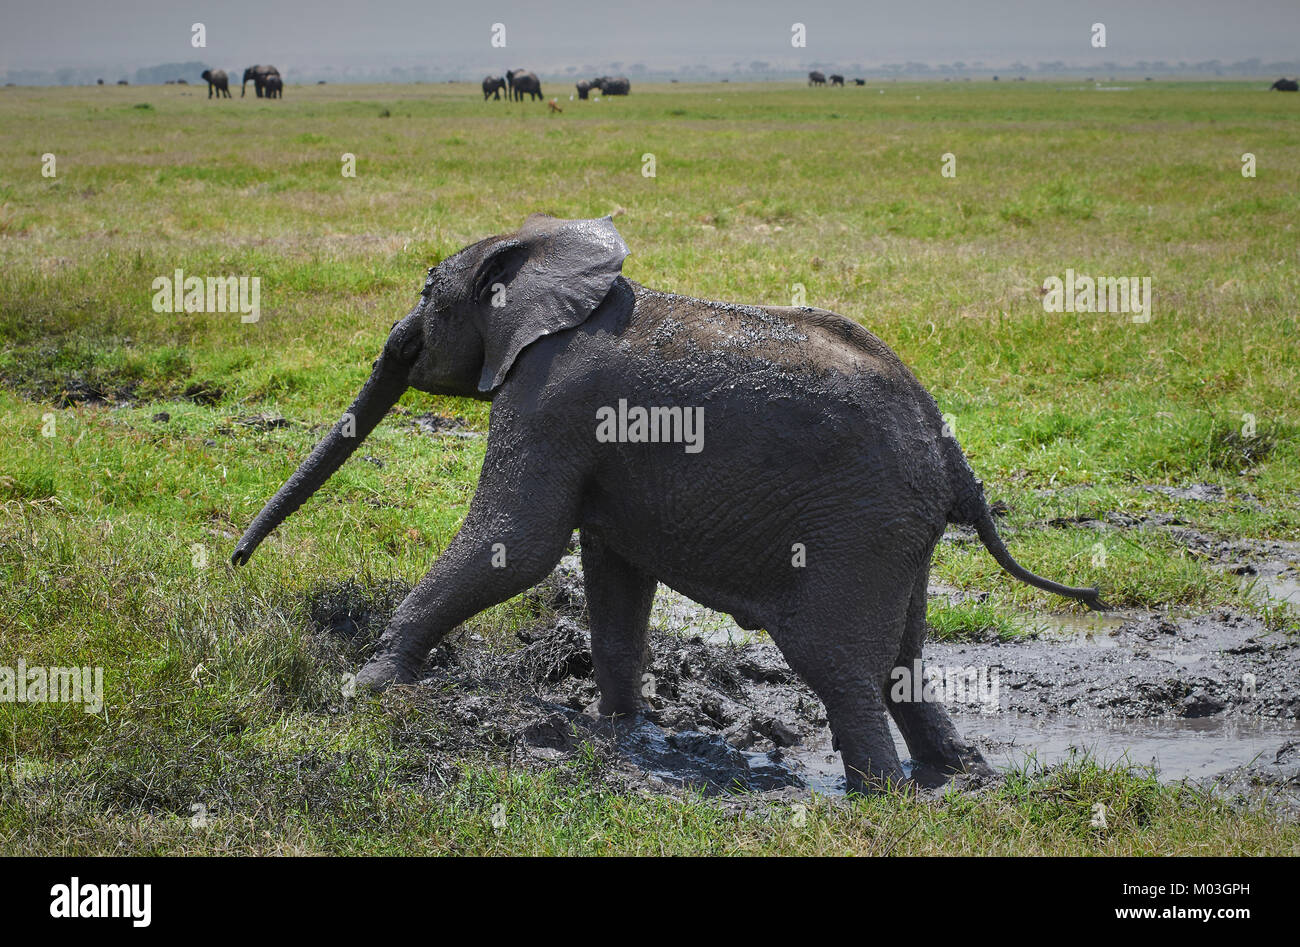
[[1178, 749], [1208, 696]]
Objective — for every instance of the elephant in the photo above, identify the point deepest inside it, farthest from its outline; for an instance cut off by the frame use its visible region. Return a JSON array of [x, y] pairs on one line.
[[258, 74], [859, 81], [218, 81], [816, 78], [583, 87], [274, 86], [522, 82], [492, 86], [613, 86], [811, 510], [836, 79], [122, 82], [1285, 85]]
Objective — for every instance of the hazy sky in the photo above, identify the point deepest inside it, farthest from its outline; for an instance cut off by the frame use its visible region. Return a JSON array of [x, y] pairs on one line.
[[544, 34]]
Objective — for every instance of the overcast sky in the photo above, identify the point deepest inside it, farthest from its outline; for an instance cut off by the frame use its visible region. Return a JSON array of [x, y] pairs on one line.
[[544, 34]]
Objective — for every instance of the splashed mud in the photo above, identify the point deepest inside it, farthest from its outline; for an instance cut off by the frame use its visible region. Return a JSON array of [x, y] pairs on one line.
[[1211, 697]]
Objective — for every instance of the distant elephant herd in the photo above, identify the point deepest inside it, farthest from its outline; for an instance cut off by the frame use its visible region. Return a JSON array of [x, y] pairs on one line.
[[820, 78], [267, 82], [520, 82], [516, 84]]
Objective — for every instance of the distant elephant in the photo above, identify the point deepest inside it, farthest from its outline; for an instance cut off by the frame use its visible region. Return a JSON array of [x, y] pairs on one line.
[[583, 87], [274, 86], [859, 81], [522, 82], [99, 82], [811, 509], [613, 86], [836, 79], [1285, 85], [816, 78], [492, 86], [218, 81], [258, 74], [122, 82]]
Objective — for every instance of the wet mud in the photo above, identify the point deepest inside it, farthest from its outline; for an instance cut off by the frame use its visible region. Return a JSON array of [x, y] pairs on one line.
[[1212, 698]]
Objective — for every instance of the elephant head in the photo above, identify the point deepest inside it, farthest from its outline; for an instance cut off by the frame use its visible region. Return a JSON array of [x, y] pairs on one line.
[[461, 338]]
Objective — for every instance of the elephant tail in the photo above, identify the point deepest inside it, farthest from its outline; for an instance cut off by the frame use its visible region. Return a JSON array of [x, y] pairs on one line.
[[971, 509]]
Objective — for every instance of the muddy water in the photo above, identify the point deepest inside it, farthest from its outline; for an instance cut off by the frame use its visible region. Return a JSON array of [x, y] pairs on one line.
[[1195, 695], [1178, 749]]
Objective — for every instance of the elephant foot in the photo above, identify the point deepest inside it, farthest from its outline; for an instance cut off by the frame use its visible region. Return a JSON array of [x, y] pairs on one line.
[[385, 669]]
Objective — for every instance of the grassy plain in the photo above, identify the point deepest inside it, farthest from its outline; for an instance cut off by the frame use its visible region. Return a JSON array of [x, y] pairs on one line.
[[115, 527]]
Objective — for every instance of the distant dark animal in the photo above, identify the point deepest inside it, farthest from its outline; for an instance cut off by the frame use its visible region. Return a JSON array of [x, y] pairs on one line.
[[859, 81], [182, 82], [615, 86], [816, 78], [836, 79], [492, 87], [218, 81], [122, 82], [1285, 85], [995, 78], [274, 86], [99, 82], [258, 74], [584, 88], [522, 82], [320, 81]]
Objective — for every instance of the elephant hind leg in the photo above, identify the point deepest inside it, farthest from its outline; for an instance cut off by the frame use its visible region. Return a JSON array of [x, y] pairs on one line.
[[848, 677], [929, 732], [619, 596]]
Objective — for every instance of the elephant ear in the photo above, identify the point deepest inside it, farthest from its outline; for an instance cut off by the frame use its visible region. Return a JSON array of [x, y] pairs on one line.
[[555, 273]]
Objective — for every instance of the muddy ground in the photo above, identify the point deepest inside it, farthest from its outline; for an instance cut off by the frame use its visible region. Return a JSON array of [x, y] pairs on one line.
[[1212, 698]]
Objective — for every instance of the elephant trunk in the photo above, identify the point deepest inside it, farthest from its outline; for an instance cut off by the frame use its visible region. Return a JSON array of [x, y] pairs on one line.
[[385, 385]]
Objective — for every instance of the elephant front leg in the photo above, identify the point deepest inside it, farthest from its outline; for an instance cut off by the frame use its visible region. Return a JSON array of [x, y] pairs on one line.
[[518, 525], [480, 568], [619, 596]]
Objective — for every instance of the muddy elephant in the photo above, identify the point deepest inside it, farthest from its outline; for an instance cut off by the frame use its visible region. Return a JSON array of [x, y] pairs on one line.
[[522, 82], [816, 78], [778, 464], [258, 74], [274, 86], [217, 81], [1285, 85], [836, 79], [619, 85], [583, 87], [492, 87]]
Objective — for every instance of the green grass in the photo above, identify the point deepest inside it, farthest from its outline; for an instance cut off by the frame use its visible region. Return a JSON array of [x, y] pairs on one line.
[[216, 683]]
